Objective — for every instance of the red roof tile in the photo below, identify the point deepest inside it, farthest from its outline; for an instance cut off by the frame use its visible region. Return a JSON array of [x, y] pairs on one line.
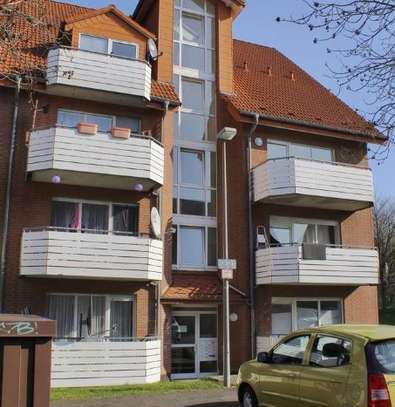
[[187, 287], [268, 83], [36, 38]]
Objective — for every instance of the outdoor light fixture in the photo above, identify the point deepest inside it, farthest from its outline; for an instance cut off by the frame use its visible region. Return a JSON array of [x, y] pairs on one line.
[[56, 179], [233, 317], [138, 187], [227, 134]]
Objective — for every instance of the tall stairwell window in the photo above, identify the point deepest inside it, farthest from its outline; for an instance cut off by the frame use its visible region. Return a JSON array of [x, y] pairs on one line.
[[194, 154]]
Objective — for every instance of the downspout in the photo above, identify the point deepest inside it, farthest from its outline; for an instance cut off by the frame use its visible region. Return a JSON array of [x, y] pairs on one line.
[[11, 157], [158, 313], [251, 235]]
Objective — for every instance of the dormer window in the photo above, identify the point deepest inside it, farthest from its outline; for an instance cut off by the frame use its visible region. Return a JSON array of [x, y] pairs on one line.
[[108, 46]]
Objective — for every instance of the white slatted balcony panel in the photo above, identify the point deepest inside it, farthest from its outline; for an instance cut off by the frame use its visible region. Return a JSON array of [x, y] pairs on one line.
[[98, 160], [343, 266], [104, 363], [62, 254], [75, 68], [300, 182]]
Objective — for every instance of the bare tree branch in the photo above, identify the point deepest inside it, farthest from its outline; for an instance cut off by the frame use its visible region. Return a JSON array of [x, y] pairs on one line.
[[367, 28]]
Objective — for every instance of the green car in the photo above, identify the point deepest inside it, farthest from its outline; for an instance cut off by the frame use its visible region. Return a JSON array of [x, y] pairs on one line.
[[334, 366]]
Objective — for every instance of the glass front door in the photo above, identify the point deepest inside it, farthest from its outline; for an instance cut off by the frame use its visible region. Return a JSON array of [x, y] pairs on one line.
[[194, 344]]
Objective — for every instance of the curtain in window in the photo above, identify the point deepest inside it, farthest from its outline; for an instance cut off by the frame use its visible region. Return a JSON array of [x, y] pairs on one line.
[[330, 312], [281, 319], [125, 218], [90, 316], [307, 314], [65, 214], [61, 309], [94, 217], [121, 318], [326, 234]]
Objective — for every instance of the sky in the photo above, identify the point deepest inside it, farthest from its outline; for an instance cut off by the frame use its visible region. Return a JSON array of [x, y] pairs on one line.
[[257, 23]]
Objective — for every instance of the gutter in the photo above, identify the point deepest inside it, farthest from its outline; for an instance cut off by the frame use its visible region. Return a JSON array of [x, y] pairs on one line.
[[380, 137], [251, 234], [11, 159]]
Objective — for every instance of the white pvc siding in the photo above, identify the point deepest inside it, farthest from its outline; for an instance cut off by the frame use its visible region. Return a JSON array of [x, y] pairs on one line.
[[285, 265], [84, 69], [64, 149], [79, 364], [86, 255], [290, 176]]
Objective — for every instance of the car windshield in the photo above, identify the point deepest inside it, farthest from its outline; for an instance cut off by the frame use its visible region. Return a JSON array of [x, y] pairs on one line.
[[381, 356]]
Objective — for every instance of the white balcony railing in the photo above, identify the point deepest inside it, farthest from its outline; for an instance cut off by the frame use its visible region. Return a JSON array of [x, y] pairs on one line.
[[342, 266], [301, 182], [98, 160], [104, 363], [92, 72], [52, 252]]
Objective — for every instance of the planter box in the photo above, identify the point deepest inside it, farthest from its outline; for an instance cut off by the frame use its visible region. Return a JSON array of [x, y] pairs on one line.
[[87, 128], [120, 132]]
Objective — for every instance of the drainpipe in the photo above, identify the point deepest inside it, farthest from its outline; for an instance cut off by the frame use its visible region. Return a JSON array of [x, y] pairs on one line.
[[6, 221], [157, 291], [251, 234]]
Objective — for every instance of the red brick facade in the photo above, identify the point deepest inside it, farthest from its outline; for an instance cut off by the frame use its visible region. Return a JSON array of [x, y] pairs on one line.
[[31, 205]]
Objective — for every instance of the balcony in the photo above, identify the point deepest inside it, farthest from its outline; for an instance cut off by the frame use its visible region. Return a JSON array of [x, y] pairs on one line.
[[94, 76], [98, 160], [341, 266], [300, 182], [53, 252], [103, 362]]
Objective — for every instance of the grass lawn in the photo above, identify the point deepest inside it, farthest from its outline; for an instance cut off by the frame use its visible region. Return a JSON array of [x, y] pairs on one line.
[[85, 393]]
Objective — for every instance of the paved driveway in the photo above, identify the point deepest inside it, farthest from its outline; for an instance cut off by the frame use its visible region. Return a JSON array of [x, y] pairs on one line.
[[196, 398]]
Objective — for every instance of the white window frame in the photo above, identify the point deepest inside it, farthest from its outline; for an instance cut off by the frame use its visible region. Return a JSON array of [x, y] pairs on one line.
[[110, 44], [104, 203], [107, 316], [112, 117], [293, 302], [285, 222], [288, 145]]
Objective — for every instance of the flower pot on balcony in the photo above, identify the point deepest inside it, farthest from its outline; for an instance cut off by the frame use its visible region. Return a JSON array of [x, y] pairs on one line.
[[87, 128], [120, 132]]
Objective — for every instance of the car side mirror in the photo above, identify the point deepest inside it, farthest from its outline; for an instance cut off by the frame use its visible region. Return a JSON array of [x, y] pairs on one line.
[[264, 357]]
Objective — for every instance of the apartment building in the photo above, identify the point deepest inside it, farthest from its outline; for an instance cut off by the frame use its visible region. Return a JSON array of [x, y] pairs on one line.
[[116, 204]]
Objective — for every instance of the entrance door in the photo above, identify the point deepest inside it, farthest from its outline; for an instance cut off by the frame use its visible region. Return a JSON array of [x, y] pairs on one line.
[[194, 344]]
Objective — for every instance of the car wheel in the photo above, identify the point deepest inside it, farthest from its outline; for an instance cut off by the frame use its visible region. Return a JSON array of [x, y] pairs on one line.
[[248, 399]]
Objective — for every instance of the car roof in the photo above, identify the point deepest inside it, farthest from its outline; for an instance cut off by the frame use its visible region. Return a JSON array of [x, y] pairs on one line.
[[369, 332]]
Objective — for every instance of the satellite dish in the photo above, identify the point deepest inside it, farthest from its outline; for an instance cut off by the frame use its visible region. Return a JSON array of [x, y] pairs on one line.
[[152, 49], [155, 222]]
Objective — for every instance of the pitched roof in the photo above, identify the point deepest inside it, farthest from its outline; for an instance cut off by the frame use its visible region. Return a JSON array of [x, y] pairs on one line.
[[188, 287], [268, 83], [36, 38], [110, 9]]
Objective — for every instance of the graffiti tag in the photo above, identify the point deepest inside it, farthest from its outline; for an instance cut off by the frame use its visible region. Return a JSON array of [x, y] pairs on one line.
[[18, 328]]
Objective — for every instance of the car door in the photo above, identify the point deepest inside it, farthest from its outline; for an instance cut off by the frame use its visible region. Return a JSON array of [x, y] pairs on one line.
[[323, 381], [279, 379]]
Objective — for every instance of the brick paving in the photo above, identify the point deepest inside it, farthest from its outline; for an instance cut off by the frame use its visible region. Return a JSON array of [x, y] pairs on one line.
[[196, 398]]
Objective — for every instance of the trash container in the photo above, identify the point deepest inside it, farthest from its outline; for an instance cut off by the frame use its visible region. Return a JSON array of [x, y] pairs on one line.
[[25, 355]]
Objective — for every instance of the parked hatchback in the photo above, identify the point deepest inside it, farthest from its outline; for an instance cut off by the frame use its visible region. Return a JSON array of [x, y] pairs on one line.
[[333, 366]]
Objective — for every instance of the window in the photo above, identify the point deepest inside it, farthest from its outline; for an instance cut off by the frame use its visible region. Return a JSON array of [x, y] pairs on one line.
[[329, 351], [195, 247], [84, 316], [276, 149], [194, 157], [291, 314], [93, 44], [123, 49], [291, 352], [285, 230], [95, 217], [194, 182], [108, 46], [69, 118]]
